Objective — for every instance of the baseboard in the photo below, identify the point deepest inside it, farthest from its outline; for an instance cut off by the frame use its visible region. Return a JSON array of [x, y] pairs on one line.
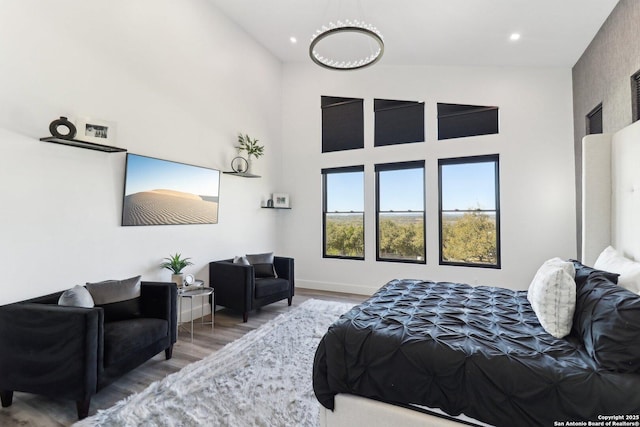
[[348, 288]]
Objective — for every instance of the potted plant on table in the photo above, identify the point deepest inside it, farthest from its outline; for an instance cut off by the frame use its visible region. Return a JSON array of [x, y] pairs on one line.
[[176, 263]]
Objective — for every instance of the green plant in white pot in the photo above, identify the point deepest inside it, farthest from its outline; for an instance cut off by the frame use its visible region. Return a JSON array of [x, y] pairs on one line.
[[176, 263], [245, 143]]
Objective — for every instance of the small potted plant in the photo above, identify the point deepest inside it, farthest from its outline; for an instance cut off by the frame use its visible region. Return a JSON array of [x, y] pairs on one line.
[[176, 263], [250, 146]]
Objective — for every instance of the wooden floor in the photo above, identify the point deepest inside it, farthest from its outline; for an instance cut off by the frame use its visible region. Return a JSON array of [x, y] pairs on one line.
[[38, 411]]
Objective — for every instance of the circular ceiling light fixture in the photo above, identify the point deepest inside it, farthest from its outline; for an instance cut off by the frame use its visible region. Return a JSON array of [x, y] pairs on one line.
[[367, 33]]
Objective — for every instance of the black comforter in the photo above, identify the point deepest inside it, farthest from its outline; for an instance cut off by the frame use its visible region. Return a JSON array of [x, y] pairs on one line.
[[474, 350]]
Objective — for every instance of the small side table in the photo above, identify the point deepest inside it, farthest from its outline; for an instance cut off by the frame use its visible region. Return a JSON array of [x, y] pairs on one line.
[[190, 293]]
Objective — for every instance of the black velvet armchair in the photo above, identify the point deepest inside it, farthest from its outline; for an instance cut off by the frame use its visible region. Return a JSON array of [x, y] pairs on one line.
[[236, 285], [71, 352]]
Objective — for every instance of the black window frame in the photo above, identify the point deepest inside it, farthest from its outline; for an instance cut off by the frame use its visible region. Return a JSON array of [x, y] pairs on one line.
[[467, 160], [594, 121], [325, 172], [383, 167]]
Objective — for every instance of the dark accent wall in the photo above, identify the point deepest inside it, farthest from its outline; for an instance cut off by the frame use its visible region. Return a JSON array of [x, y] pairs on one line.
[[603, 75]]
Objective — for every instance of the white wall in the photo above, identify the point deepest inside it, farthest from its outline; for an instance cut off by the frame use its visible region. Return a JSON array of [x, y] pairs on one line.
[[180, 80], [535, 144]]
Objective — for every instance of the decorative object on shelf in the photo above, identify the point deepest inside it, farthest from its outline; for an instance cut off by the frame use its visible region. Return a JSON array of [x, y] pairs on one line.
[[176, 263], [239, 164], [62, 128], [251, 147], [356, 33], [270, 204], [280, 200], [96, 131]]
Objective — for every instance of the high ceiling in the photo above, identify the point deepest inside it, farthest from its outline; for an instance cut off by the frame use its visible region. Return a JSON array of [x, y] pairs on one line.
[[434, 32]]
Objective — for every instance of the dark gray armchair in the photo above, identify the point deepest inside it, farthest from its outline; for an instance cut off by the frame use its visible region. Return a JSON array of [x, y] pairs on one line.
[[73, 352], [236, 286]]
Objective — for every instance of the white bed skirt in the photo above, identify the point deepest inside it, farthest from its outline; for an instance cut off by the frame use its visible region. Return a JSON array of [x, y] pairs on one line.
[[353, 411]]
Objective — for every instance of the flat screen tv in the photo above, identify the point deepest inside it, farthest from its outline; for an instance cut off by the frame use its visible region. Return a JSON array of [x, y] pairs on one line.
[[162, 192]]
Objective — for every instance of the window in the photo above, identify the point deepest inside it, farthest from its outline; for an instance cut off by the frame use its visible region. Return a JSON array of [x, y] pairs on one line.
[[400, 212], [398, 122], [594, 120], [458, 120], [635, 96], [469, 205], [342, 123], [343, 212]]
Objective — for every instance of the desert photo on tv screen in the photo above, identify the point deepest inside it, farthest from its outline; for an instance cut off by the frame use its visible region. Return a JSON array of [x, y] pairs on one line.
[[162, 192]]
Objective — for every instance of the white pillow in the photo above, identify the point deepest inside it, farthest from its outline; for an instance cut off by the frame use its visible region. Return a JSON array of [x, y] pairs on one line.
[[614, 262], [552, 295]]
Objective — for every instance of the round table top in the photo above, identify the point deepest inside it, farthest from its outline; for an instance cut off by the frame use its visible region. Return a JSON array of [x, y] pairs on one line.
[[194, 291]]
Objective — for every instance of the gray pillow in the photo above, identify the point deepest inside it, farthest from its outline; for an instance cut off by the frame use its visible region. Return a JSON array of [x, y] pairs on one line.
[[78, 296], [263, 264], [242, 260], [120, 299]]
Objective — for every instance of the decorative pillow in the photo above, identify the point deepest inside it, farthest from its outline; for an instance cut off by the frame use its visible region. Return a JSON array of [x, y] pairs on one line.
[[608, 322], [78, 296], [263, 264], [583, 272], [629, 270], [120, 299], [242, 260], [552, 295]]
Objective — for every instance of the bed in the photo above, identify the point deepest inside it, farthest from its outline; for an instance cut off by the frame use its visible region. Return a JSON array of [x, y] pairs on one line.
[[420, 353]]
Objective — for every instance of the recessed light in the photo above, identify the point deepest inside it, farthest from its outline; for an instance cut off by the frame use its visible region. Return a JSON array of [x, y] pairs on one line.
[[514, 37], [293, 39]]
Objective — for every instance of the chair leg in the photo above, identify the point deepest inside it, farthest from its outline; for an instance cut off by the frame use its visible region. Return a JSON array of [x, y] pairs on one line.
[[289, 300], [245, 316], [168, 352], [7, 398], [83, 408]]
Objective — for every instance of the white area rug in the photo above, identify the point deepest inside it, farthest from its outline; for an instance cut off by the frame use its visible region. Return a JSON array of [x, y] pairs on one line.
[[261, 379]]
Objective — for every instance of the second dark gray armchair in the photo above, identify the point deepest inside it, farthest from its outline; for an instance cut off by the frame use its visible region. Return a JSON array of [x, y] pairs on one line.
[[237, 287]]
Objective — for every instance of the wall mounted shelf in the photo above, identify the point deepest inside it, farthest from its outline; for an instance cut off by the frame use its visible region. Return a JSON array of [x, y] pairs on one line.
[[242, 174], [83, 144], [272, 207]]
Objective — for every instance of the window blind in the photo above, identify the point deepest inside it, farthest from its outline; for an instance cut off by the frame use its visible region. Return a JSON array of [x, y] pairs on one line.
[[398, 122], [635, 84], [460, 120], [342, 123], [594, 120]]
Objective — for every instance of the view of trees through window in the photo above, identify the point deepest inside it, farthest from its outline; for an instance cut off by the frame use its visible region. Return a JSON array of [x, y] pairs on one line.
[[469, 214], [400, 198], [344, 212]]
